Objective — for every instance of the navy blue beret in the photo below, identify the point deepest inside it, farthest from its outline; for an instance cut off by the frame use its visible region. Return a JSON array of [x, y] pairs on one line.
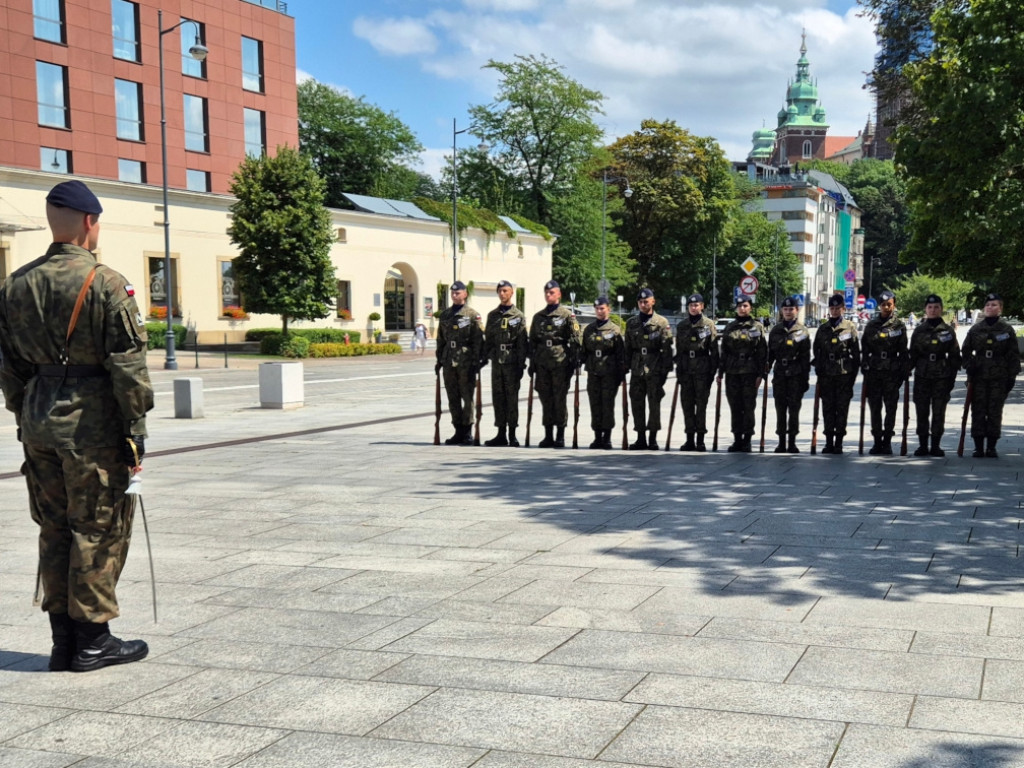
[[76, 196]]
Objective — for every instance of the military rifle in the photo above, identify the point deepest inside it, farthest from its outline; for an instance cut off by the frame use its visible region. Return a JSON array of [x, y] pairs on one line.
[[863, 398], [576, 413], [963, 421], [479, 408], [529, 412], [764, 411], [718, 413], [625, 418], [906, 416], [672, 418], [814, 422], [437, 408]]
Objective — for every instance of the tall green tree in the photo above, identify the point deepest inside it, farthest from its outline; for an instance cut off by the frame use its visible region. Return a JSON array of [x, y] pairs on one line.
[[541, 127], [780, 273], [962, 147], [356, 146], [911, 291], [283, 234]]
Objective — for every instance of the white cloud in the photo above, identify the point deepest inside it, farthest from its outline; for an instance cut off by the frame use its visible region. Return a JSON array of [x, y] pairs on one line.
[[405, 36], [503, 5]]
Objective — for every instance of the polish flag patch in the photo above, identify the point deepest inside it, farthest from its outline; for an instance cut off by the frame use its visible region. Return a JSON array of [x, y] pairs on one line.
[[130, 290]]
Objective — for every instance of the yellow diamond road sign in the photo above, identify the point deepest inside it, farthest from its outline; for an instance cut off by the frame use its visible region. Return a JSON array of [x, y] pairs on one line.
[[749, 266]]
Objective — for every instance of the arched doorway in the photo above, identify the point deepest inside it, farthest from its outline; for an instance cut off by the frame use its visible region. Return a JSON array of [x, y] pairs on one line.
[[399, 298]]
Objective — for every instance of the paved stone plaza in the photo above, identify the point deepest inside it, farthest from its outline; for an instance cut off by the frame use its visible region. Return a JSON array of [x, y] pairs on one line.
[[335, 591]]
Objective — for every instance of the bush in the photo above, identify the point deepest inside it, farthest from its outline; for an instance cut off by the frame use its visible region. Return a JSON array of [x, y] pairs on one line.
[[295, 346], [314, 335], [353, 350], [157, 333]]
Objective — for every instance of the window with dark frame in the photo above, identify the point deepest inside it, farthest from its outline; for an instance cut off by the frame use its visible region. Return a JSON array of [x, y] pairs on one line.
[[128, 105], [252, 64], [196, 121], [52, 94], [189, 66], [125, 28], [255, 133], [48, 20]]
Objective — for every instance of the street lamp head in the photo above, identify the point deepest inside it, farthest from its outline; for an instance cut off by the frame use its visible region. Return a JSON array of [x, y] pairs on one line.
[[628, 192], [483, 147], [198, 51]]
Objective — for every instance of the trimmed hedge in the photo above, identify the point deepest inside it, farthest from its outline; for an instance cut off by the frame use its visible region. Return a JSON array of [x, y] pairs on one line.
[[314, 335], [353, 350], [157, 333]]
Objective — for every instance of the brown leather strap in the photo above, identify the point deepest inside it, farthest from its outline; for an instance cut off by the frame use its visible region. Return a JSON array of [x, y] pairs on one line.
[[78, 306]]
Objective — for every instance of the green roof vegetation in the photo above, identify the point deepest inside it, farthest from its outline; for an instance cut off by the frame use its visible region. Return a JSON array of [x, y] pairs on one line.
[[480, 218]]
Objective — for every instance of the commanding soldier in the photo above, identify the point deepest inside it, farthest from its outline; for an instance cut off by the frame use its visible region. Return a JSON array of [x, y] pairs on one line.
[[73, 346], [886, 365], [505, 345], [460, 346], [836, 361], [555, 340], [934, 360], [604, 358], [789, 352], [993, 363], [696, 365], [648, 348], [744, 361]]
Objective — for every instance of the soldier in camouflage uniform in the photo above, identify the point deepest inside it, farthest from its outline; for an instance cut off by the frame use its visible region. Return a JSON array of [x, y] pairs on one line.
[[460, 349], [603, 356], [555, 339], [505, 345], [886, 364], [935, 361], [744, 361], [696, 365], [789, 353], [836, 361], [79, 388], [992, 361], [648, 348]]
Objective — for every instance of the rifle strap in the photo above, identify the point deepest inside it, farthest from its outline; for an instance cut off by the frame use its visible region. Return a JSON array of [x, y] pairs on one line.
[[78, 308]]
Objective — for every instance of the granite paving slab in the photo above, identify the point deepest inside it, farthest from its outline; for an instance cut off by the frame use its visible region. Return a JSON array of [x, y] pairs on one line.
[[301, 750], [869, 746], [482, 640], [991, 718]]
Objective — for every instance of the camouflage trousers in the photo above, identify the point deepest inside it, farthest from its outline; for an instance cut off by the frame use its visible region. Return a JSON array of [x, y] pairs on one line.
[[645, 396], [882, 390], [741, 392], [694, 390], [77, 499], [930, 399], [601, 392], [505, 381], [836, 392], [460, 386], [552, 388], [987, 401], [788, 393]]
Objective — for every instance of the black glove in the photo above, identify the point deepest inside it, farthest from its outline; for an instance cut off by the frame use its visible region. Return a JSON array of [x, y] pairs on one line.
[[133, 449], [18, 434], [437, 368], [532, 370]]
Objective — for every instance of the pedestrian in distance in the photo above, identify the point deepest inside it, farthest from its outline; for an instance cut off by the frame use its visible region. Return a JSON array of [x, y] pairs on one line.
[[744, 359], [555, 339], [789, 355], [648, 349], [993, 363], [460, 346], [73, 372], [836, 361], [886, 365], [696, 365], [420, 337], [604, 359], [505, 346], [935, 361]]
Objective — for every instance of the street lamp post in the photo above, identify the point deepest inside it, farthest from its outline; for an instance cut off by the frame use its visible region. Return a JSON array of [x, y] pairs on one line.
[[871, 277], [455, 195], [198, 52], [603, 286]]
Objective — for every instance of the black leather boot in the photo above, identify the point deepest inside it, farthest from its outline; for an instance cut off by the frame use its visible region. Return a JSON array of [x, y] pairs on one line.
[[689, 445], [62, 629], [830, 444], [641, 442], [606, 440], [990, 452], [652, 440], [837, 447], [936, 448], [879, 445], [458, 437], [922, 449], [498, 440], [549, 438], [560, 438], [513, 441], [737, 444], [781, 447], [97, 648], [598, 439], [979, 448], [791, 448], [701, 448]]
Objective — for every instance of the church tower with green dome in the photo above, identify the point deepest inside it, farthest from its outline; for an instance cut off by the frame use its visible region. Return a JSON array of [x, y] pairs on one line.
[[800, 133]]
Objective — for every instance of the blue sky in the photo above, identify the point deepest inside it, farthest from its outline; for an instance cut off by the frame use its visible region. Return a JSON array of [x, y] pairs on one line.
[[717, 67]]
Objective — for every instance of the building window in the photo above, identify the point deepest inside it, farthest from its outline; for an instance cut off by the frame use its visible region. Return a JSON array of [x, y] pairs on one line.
[[341, 235], [131, 171], [807, 150], [52, 94], [252, 64], [197, 181], [344, 299], [230, 298], [54, 160], [255, 133], [126, 30], [48, 20], [196, 137], [158, 288], [190, 35], [128, 103]]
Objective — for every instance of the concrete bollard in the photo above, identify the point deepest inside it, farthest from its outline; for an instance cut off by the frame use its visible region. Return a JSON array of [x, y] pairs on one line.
[[281, 385], [188, 398]]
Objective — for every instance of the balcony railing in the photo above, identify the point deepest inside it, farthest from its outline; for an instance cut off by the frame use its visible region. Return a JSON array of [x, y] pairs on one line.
[[277, 5]]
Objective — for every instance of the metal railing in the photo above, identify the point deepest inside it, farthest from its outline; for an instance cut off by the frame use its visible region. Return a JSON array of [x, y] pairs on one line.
[[277, 5]]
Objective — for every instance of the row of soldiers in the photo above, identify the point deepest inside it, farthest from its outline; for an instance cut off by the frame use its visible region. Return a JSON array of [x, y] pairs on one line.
[[554, 348]]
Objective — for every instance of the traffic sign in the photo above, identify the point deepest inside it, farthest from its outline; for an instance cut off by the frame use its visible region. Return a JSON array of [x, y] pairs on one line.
[[849, 297], [860, 301], [603, 287], [870, 304], [749, 265], [749, 284], [850, 275]]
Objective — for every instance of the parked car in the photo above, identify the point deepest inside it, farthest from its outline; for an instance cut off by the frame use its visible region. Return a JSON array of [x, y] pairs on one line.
[[721, 322]]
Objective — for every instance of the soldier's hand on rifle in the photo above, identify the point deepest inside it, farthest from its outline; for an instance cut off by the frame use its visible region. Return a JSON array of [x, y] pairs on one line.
[[437, 368], [533, 369], [133, 449]]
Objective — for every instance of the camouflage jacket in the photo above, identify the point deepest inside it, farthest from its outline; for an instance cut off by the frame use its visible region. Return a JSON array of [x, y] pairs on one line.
[[744, 347], [934, 351], [460, 341], [649, 346], [555, 338], [505, 337], [696, 347], [76, 412], [603, 350], [836, 349], [884, 347], [789, 350], [990, 351]]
